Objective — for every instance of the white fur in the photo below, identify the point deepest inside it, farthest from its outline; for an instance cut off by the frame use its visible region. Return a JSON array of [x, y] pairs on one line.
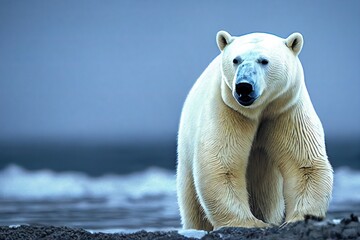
[[250, 166]]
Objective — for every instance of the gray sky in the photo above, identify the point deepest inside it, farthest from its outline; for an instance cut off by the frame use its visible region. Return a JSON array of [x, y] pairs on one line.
[[121, 70]]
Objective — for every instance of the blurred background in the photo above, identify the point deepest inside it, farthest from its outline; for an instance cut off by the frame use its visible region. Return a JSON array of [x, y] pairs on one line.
[[97, 87]]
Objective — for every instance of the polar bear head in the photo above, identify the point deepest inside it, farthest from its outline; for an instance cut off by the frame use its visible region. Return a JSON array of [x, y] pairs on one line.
[[259, 67]]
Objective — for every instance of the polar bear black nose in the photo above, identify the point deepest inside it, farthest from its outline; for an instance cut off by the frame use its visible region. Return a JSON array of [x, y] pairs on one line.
[[244, 88]]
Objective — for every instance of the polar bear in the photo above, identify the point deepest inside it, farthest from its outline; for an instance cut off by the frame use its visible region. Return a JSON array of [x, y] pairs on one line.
[[251, 150]]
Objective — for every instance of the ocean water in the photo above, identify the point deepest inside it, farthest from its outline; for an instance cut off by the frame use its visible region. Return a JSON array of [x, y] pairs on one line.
[[141, 200]]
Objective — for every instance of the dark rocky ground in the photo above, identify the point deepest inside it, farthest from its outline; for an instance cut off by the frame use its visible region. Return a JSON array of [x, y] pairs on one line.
[[348, 228]]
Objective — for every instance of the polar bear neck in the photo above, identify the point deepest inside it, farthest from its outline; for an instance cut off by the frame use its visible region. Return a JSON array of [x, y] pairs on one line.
[[289, 97]]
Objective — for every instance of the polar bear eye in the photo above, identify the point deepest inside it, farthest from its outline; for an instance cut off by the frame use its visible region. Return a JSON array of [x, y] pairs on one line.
[[237, 60], [263, 61]]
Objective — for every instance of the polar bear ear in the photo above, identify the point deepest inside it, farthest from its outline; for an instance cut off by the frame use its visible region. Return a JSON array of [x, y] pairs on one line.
[[223, 38], [295, 42]]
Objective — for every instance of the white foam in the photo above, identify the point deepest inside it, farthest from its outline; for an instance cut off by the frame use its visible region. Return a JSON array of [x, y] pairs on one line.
[[346, 188], [16, 182], [191, 233], [336, 221]]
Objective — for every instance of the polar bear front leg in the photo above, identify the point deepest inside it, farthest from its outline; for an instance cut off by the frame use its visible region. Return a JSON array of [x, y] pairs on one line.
[[307, 191], [220, 182], [299, 149], [192, 214]]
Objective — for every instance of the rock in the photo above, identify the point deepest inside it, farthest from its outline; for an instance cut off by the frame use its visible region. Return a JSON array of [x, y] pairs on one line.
[[348, 228]]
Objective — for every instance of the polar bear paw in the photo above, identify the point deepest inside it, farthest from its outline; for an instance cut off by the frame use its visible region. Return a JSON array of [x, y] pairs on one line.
[[253, 223]]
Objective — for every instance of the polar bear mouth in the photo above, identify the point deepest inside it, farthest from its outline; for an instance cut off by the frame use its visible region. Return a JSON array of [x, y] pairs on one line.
[[245, 100]]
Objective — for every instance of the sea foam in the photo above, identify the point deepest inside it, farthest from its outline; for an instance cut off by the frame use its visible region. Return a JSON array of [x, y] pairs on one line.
[[19, 183]]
